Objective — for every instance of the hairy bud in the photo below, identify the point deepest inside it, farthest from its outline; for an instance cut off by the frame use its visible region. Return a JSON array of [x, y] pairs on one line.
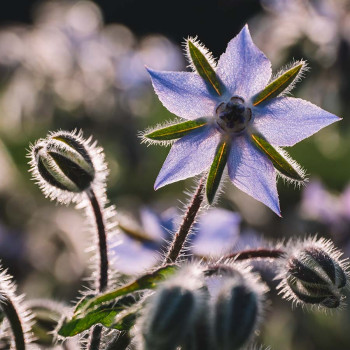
[[312, 273], [171, 313], [237, 311], [64, 164]]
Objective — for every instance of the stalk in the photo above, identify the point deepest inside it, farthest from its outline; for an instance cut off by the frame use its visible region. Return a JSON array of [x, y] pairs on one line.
[[10, 311], [188, 220], [103, 275]]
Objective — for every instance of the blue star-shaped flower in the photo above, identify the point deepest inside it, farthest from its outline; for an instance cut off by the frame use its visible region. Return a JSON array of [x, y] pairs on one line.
[[237, 115]]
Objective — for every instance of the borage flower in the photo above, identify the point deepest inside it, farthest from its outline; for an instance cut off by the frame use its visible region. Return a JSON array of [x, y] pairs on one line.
[[237, 115]]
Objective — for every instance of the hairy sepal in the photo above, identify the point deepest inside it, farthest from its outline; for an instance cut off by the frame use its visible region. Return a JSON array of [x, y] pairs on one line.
[[282, 84], [216, 170], [280, 160], [202, 62], [175, 131]]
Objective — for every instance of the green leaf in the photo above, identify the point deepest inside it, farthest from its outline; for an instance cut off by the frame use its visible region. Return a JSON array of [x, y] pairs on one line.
[[216, 171], [278, 85], [176, 131], [148, 281], [203, 67], [114, 315], [104, 309], [278, 161]]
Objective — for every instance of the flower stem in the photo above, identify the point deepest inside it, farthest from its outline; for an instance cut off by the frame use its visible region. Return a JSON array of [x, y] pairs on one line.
[[188, 220], [10, 311], [102, 240], [256, 254], [103, 277]]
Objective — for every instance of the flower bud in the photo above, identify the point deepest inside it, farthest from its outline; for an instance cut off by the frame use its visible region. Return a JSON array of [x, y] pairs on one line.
[[237, 310], [313, 274], [199, 336], [172, 312], [63, 164], [171, 315]]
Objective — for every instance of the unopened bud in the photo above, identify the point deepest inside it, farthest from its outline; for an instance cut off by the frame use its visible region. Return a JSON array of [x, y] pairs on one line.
[[63, 163], [313, 274], [171, 316], [171, 313], [237, 310]]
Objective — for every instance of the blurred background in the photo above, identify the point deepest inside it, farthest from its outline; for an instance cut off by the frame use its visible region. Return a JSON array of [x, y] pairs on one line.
[[80, 64]]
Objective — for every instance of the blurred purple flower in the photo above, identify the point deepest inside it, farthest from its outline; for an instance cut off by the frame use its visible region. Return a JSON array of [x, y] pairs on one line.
[[283, 121], [330, 209], [216, 233]]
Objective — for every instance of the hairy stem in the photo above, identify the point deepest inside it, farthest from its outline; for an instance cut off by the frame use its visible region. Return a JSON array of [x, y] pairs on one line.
[[227, 268], [256, 254], [103, 277], [10, 311], [188, 220], [102, 240]]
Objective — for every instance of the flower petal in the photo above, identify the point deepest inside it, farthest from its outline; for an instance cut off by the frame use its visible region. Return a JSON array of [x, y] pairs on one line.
[[184, 94], [243, 68], [189, 156], [286, 121], [253, 173]]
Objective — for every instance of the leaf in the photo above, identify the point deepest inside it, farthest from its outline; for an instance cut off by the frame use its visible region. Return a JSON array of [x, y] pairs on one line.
[[278, 161], [216, 171], [176, 131], [278, 85], [114, 315], [148, 281], [203, 67], [104, 309]]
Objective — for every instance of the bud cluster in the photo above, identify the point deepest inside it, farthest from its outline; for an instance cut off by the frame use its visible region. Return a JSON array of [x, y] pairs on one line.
[[65, 165], [188, 312], [313, 273]]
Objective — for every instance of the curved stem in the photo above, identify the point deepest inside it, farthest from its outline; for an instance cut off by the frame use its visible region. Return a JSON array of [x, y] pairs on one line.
[[102, 240], [188, 220], [95, 336], [11, 313], [256, 254]]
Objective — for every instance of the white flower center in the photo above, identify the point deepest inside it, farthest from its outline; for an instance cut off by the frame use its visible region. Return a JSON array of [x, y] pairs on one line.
[[233, 116]]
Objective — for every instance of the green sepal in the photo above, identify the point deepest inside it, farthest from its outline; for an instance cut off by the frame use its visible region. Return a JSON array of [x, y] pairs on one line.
[[278, 161], [216, 171], [278, 85], [148, 281], [203, 67], [176, 131]]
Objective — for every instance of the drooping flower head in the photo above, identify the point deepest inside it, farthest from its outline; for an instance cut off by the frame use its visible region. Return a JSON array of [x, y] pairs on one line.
[[312, 272], [236, 115], [65, 165]]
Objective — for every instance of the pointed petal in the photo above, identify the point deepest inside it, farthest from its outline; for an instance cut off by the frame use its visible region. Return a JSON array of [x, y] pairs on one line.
[[253, 173], [189, 156], [184, 94], [243, 68], [286, 121]]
